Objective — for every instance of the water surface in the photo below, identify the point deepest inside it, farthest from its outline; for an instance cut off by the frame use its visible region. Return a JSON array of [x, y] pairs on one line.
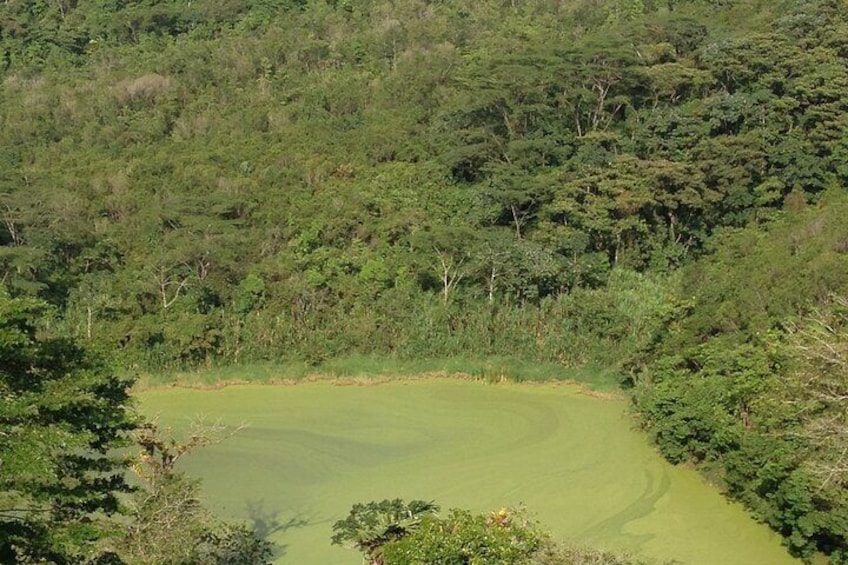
[[310, 451]]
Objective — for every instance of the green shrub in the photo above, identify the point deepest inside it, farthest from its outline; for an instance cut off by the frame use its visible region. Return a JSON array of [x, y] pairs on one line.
[[501, 538]]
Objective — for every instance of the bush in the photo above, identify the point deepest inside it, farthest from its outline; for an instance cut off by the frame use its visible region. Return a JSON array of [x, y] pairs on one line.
[[392, 532], [504, 537]]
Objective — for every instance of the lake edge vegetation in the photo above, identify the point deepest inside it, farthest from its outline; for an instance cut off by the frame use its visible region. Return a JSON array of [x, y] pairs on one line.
[[394, 532]]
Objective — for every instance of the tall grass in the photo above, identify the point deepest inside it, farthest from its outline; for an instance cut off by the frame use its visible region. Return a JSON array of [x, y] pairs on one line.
[[496, 369], [583, 336], [411, 333]]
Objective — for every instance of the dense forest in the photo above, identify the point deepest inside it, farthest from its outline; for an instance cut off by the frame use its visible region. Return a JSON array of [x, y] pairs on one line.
[[654, 187]]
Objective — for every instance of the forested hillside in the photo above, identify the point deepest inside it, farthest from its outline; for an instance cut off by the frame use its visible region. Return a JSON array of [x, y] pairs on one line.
[[656, 187]]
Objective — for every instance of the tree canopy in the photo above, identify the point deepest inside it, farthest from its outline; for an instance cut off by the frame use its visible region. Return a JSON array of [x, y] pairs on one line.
[[63, 417]]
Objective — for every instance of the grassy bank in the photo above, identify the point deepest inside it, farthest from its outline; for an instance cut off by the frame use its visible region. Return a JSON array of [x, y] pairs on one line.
[[382, 368]]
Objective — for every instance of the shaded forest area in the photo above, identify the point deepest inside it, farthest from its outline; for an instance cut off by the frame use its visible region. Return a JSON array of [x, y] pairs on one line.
[[656, 187]]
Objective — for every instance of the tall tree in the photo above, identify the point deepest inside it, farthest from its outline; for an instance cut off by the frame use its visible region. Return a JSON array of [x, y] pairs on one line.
[[63, 415]]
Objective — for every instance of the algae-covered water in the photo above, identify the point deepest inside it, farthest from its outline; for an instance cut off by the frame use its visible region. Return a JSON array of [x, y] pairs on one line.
[[312, 450]]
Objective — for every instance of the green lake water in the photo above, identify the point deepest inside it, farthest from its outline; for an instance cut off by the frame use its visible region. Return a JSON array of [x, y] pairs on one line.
[[310, 451]]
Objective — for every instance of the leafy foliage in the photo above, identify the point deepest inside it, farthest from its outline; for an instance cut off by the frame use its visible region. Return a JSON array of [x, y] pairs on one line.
[[63, 415], [369, 527], [462, 537], [396, 533], [193, 185]]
